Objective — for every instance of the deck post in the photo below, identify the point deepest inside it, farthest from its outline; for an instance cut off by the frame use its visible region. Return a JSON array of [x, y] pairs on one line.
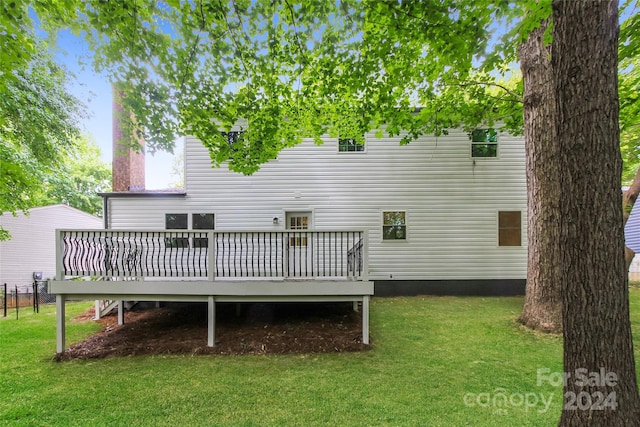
[[60, 323], [211, 322], [120, 312], [365, 319]]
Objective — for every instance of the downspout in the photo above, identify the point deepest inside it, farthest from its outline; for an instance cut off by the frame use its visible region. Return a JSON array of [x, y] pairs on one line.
[[105, 211]]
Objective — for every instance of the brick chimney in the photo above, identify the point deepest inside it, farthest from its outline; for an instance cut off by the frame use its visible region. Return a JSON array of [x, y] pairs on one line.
[[127, 164]]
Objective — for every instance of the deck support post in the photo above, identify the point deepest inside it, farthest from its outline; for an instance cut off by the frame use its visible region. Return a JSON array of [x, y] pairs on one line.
[[356, 306], [365, 319], [120, 312], [60, 323], [211, 322], [96, 315]]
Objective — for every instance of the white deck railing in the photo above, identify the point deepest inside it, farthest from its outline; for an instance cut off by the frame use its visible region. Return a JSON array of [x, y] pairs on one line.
[[289, 254]]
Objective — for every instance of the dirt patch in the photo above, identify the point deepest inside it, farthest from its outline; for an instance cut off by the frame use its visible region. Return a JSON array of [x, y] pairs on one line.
[[254, 329]]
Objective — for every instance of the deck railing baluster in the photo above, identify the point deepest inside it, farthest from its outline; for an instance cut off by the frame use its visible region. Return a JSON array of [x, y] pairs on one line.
[[288, 253]]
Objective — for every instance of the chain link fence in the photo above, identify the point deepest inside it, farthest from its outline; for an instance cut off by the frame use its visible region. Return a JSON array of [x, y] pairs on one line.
[[16, 297]]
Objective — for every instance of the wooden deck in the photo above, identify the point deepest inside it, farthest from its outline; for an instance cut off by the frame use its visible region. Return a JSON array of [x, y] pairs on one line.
[[211, 266]]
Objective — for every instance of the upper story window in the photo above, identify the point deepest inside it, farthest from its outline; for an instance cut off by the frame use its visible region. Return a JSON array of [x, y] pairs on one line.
[[509, 228], [350, 145], [484, 143], [394, 225], [233, 136]]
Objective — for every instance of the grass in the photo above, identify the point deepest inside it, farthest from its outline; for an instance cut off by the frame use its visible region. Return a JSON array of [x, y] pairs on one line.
[[436, 361]]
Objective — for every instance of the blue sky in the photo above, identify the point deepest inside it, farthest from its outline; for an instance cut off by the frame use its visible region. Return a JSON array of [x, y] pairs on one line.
[[94, 90]]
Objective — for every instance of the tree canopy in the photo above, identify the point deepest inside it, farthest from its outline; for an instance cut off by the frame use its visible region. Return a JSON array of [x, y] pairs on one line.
[[291, 69], [296, 69]]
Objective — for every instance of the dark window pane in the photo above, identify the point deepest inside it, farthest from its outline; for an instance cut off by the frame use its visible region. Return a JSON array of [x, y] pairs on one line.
[[176, 221], [484, 135], [394, 232], [176, 242], [484, 150], [200, 242], [233, 136], [203, 221], [509, 237]]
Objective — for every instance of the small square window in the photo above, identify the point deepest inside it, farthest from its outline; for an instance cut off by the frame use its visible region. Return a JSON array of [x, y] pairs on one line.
[[484, 143], [350, 145], [509, 228], [394, 225]]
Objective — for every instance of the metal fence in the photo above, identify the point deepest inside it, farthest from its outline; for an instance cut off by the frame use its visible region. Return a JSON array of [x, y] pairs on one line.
[[16, 297]]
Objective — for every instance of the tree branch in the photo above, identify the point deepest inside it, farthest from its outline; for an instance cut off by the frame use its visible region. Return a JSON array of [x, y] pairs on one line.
[[517, 96]]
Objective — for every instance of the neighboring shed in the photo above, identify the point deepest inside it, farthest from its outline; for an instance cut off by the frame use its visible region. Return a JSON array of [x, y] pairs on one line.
[[32, 244]]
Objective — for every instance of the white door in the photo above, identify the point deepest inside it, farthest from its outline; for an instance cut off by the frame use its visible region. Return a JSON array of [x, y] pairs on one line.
[[299, 244]]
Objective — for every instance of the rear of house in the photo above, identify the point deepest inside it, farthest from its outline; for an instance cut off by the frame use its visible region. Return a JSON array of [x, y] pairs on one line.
[[442, 214]]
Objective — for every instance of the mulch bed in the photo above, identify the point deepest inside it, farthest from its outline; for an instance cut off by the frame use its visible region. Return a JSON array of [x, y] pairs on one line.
[[259, 328]]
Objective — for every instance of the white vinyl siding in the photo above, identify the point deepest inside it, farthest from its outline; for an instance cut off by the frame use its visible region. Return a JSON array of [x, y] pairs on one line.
[[33, 243], [451, 201]]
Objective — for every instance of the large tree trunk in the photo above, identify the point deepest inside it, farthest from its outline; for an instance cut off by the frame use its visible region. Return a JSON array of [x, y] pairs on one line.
[[595, 299], [542, 305]]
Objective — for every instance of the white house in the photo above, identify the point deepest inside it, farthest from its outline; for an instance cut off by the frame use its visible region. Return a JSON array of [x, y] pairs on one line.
[[31, 247], [328, 222], [439, 216]]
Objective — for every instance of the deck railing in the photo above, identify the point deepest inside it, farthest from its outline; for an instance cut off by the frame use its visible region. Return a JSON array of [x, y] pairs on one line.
[[285, 254]]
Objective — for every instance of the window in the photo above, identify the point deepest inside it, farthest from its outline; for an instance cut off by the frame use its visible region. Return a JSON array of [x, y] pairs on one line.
[[233, 136], [509, 228], [204, 221], [394, 225], [484, 143], [176, 222], [298, 221], [350, 145]]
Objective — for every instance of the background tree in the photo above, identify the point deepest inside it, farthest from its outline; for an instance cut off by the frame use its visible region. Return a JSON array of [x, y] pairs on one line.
[[38, 124], [542, 308], [78, 179]]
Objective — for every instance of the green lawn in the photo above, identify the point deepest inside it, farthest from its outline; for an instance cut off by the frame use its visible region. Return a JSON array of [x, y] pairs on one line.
[[435, 361]]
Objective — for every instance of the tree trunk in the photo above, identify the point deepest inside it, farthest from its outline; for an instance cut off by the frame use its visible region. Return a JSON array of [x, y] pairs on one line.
[[600, 389], [542, 305]]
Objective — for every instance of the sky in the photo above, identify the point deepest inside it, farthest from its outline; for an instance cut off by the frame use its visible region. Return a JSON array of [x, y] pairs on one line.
[[94, 90]]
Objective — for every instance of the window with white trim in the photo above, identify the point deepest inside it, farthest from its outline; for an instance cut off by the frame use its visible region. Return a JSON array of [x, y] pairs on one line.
[[350, 145], [484, 143], [394, 225]]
